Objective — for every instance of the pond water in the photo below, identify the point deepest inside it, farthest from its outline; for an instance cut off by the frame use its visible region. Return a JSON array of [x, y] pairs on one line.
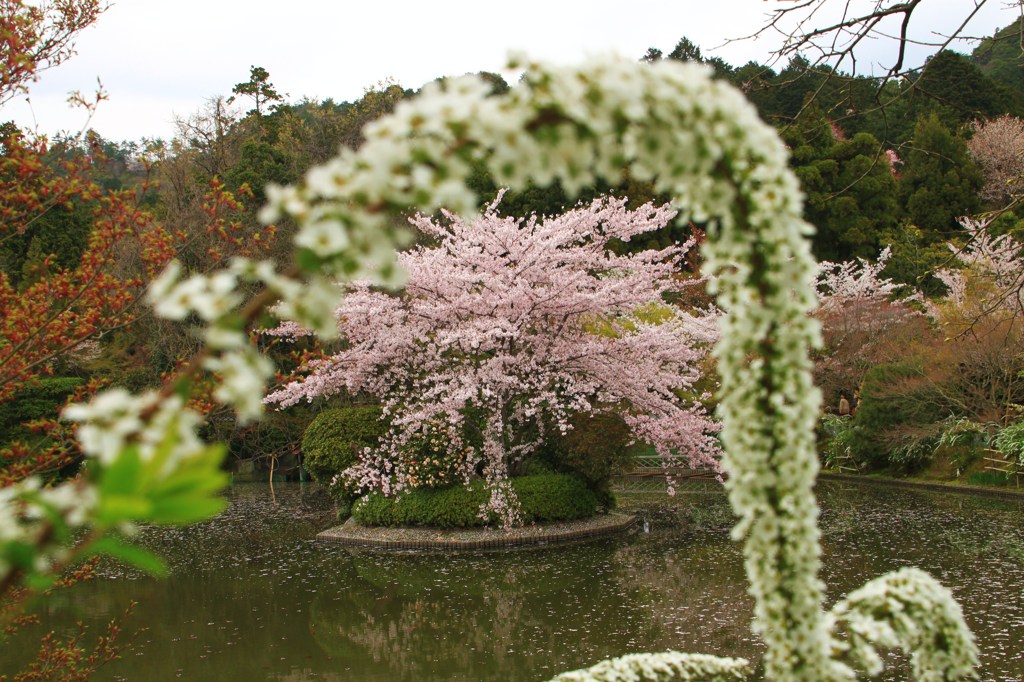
[[252, 596]]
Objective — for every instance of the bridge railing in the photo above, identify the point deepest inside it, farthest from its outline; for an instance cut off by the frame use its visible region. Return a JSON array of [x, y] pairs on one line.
[[649, 465]]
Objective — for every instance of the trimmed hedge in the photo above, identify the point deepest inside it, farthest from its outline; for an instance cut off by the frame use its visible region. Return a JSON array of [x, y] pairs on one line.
[[334, 439], [554, 497], [543, 497]]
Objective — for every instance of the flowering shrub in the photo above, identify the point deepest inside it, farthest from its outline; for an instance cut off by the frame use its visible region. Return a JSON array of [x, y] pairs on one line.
[[673, 126], [430, 460]]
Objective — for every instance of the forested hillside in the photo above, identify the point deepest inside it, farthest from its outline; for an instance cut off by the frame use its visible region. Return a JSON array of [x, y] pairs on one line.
[[883, 166]]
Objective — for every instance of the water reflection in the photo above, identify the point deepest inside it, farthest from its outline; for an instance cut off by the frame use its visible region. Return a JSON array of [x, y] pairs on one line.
[[480, 616], [253, 597]]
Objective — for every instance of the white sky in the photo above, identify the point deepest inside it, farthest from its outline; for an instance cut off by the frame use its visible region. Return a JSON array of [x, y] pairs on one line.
[[157, 59]]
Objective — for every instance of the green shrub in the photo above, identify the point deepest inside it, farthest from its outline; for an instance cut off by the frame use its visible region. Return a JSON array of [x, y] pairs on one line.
[[1010, 442], [543, 497], [911, 447], [898, 410], [597, 446], [835, 442], [334, 439], [988, 478], [535, 466], [36, 401], [960, 432], [962, 442], [596, 449], [554, 497], [454, 507], [959, 440]]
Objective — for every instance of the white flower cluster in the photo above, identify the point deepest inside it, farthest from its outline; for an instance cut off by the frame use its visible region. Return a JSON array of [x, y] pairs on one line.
[[243, 372], [669, 665], [26, 506], [116, 418], [208, 296], [907, 609], [242, 384]]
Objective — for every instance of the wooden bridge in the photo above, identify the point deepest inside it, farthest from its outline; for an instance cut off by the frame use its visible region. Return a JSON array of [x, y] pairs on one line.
[[648, 472]]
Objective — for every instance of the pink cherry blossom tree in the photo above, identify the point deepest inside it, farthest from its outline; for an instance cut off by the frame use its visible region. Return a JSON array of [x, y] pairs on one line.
[[982, 320], [998, 147], [506, 329], [863, 315], [988, 285], [969, 341]]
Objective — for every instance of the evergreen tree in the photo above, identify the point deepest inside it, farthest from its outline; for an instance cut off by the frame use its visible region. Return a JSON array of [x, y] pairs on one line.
[[851, 194], [653, 54], [957, 91], [864, 200], [755, 80], [259, 88], [940, 182], [687, 51], [58, 239], [260, 163], [797, 85]]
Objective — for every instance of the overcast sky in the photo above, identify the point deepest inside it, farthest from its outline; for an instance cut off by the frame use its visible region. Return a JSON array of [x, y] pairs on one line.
[[157, 60]]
